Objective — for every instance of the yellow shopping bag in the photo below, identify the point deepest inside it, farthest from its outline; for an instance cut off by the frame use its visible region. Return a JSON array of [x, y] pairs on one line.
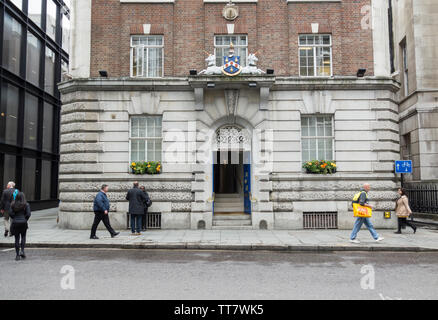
[[361, 211]]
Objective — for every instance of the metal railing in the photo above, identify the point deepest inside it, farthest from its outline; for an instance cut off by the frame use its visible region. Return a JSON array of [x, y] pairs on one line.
[[423, 197]]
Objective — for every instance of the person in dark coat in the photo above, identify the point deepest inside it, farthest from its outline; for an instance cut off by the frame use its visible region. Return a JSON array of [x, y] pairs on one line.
[[101, 207], [5, 205], [20, 213], [146, 206], [137, 200]]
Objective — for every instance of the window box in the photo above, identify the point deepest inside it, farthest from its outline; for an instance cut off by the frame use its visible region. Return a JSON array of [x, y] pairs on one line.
[[145, 167], [320, 167]]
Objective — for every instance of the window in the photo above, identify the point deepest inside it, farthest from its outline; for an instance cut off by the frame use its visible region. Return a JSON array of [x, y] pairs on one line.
[[317, 138], [405, 67], [12, 44], [9, 169], [49, 74], [66, 32], [51, 19], [30, 122], [315, 55], [46, 175], [146, 138], [28, 178], [9, 114], [33, 59], [34, 11], [147, 56], [18, 3], [222, 46], [48, 128], [406, 147]]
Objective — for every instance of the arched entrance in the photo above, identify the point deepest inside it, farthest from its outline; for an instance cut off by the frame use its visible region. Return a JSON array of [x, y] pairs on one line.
[[232, 170]]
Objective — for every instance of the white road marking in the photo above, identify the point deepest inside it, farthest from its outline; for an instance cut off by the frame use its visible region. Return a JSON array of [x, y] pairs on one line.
[[10, 249]]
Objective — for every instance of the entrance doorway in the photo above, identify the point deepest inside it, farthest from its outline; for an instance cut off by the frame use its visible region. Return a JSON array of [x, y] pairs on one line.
[[231, 182]]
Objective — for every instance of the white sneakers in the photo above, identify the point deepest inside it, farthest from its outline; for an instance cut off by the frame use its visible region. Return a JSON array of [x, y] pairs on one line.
[[357, 241]]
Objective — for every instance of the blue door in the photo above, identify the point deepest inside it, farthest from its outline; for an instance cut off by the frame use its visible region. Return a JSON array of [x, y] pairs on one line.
[[247, 181]]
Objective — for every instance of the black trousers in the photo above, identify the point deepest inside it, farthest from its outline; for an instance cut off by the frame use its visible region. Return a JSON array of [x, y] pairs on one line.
[[404, 221], [19, 230], [98, 217]]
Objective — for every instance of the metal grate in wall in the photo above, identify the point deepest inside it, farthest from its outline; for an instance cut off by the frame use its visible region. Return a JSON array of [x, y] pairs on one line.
[[320, 220], [152, 221]]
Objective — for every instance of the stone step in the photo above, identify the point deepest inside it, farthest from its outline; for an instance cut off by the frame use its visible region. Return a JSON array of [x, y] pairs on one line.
[[234, 223], [228, 195], [228, 210], [231, 228], [231, 217]]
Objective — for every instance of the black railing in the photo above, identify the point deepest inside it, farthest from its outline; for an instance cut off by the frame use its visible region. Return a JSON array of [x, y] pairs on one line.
[[423, 198]]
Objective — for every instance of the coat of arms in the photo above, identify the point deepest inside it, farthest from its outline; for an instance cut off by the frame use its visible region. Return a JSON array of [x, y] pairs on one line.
[[231, 65]]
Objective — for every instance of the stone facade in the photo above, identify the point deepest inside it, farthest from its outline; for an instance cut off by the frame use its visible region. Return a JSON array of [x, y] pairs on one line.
[[95, 147], [95, 123], [415, 25]]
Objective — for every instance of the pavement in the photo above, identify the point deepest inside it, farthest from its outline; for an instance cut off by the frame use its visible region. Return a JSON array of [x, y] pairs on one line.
[[44, 233]]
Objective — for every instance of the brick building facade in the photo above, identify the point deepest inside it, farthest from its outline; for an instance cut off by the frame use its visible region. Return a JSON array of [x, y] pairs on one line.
[[313, 107]]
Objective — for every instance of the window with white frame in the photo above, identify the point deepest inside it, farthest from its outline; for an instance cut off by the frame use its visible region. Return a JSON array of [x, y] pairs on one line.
[[147, 56], [222, 47], [146, 138], [315, 55], [317, 138]]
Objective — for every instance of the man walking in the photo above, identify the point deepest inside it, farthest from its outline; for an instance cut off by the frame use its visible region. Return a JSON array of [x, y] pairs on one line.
[[101, 208], [137, 202], [363, 201], [5, 206]]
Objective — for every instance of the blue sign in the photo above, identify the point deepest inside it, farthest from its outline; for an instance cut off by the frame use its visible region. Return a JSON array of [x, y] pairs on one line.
[[403, 166]]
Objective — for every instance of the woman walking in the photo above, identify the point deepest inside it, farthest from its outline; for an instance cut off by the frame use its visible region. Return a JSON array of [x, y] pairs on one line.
[[403, 211], [20, 214]]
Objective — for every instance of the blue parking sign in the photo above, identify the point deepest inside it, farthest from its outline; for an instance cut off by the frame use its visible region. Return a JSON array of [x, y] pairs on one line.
[[403, 166]]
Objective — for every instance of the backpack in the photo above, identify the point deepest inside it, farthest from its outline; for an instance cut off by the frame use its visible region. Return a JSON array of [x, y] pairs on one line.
[[356, 197]]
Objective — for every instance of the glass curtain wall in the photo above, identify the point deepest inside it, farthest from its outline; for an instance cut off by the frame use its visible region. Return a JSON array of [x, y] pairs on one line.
[[35, 39]]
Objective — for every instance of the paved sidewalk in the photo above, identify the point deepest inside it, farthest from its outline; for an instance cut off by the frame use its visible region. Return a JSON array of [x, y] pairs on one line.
[[43, 232]]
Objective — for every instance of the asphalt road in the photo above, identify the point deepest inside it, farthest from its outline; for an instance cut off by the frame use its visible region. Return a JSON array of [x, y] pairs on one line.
[[174, 274]]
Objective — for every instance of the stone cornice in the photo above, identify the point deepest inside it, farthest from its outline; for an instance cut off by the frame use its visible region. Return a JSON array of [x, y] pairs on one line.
[[336, 83], [221, 82]]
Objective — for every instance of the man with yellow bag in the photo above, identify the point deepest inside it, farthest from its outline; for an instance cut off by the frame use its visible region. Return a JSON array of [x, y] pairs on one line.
[[363, 211]]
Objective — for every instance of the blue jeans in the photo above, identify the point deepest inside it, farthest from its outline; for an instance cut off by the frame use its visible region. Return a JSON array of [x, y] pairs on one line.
[[136, 223], [358, 225]]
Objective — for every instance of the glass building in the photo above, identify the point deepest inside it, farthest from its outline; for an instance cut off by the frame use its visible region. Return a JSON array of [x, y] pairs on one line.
[[34, 48]]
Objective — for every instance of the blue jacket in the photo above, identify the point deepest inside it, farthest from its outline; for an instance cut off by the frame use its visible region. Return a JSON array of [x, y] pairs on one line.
[[101, 202]]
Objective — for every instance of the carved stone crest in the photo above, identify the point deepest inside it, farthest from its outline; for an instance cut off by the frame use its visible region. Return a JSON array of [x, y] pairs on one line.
[[231, 11]]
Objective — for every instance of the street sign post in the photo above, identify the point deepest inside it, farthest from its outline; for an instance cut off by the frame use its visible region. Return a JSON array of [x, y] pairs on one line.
[[403, 166]]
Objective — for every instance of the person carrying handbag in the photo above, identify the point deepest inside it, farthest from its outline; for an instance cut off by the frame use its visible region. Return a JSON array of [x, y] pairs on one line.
[[403, 211]]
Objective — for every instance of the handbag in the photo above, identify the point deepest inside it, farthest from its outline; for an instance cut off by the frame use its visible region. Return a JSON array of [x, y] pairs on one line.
[[149, 203], [362, 211]]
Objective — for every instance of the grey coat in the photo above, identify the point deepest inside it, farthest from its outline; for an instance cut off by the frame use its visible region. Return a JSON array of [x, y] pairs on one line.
[[137, 201]]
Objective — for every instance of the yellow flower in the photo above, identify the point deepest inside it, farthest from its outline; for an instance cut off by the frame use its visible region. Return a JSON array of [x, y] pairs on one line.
[[133, 164], [334, 165], [309, 163]]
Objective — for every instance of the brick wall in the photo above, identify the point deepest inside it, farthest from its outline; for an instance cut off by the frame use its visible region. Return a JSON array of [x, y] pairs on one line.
[[189, 26]]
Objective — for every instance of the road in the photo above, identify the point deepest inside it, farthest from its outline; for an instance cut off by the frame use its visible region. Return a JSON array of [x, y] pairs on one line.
[[178, 274]]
